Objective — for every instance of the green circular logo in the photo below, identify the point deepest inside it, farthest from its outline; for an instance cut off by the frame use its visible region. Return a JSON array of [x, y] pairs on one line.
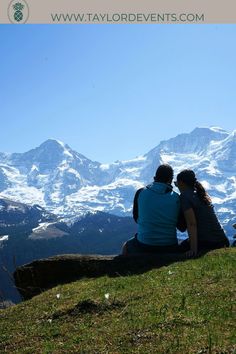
[[18, 11]]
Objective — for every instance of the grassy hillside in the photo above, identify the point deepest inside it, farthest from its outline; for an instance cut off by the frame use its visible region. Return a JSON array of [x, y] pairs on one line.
[[187, 307]]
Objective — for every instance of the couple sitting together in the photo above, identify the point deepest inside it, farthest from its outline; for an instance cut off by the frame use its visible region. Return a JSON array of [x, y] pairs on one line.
[[159, 211]]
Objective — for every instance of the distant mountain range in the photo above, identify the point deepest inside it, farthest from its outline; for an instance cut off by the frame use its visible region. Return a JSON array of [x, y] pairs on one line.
[[68, 184]]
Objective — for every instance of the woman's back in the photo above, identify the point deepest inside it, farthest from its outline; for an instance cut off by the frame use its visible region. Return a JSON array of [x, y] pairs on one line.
[[209, 229]]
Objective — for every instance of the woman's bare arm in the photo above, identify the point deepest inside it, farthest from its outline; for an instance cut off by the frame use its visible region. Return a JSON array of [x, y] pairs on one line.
[[192, 229]]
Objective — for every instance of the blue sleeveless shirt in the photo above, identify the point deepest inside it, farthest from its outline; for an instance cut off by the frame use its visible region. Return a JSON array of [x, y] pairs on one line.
[[158, 210]]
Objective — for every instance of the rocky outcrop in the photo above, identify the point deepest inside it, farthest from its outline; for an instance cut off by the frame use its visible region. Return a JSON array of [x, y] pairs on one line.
[[33, 278]]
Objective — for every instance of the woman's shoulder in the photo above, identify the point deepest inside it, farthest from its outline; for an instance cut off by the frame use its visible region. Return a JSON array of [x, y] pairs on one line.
[[187, 194], [187, 200]]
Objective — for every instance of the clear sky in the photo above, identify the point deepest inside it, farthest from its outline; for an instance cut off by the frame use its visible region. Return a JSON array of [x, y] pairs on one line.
[[114, 91]]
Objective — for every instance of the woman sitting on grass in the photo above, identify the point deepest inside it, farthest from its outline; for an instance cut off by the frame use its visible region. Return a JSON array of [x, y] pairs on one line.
[[204, 229]]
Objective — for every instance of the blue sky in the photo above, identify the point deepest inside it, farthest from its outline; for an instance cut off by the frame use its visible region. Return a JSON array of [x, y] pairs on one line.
[[114, 91]]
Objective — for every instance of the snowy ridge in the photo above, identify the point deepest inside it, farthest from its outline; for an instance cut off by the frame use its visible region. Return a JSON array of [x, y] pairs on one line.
[[69, 184]]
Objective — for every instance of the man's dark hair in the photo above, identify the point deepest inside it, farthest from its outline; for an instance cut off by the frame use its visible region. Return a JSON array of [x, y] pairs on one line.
[[164, 174]]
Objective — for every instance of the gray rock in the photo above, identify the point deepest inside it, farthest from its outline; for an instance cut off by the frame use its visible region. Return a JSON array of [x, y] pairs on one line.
[[33, 278]]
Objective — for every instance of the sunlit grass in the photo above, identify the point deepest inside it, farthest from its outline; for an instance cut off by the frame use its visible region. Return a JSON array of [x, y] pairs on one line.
[[187, 307]]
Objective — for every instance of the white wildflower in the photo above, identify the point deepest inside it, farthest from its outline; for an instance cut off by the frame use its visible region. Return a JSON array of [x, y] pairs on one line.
[[58, 296], [170, 272], [107, 295]]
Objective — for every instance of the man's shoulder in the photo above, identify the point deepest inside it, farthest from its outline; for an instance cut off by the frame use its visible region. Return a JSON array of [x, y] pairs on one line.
[[140, 190], [174, 195]]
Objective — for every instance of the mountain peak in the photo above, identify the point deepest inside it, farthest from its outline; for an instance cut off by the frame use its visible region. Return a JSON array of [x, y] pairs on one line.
[[215, 132], [53, 143], [55, 147], [196, 141]]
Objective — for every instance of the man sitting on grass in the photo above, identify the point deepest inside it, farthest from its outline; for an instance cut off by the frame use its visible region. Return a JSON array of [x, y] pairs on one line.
[[156, 210]]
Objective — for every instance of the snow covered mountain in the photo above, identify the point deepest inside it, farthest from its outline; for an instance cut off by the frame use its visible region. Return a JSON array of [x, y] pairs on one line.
[[69, 184]]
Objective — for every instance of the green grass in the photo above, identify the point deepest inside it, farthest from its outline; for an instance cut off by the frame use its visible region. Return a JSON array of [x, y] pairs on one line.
[[187, 307]]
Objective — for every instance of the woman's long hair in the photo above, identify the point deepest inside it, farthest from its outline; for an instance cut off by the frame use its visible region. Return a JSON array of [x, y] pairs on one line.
[[188, 177]]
